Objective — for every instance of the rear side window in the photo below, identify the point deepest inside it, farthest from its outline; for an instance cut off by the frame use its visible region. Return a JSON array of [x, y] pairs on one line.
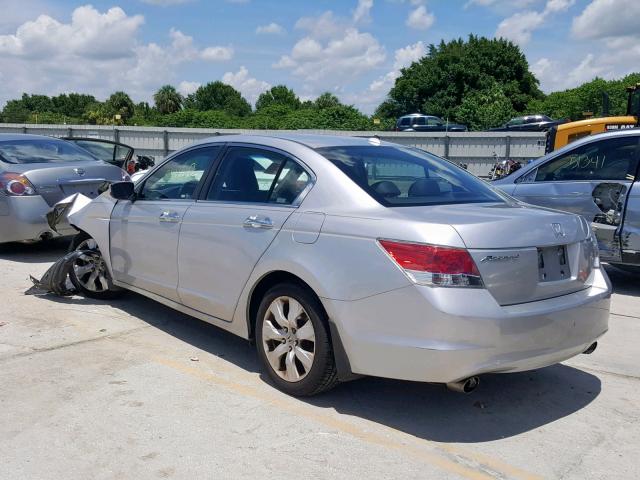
[[260, 176], [405, 121], [397, 176], [419, 121], [611, 159]]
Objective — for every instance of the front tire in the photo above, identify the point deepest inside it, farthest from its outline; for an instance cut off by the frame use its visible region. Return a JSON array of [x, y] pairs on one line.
[[293, 341], [89, 273]]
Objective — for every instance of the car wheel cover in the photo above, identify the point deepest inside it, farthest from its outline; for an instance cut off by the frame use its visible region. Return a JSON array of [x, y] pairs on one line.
[[90, 269], [288, 339]]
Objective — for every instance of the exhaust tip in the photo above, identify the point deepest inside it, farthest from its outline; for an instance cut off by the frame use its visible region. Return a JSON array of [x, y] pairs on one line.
[[591, 348], [467, 385]]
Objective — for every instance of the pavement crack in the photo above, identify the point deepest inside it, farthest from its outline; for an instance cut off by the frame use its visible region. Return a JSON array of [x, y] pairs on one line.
[[35, 350]]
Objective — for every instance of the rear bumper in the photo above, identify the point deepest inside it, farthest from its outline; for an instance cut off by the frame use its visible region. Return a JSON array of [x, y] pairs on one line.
[[23, 218], [443, 335]]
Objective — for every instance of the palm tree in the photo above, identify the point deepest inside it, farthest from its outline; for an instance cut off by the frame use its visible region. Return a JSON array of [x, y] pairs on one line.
[[168, 100]]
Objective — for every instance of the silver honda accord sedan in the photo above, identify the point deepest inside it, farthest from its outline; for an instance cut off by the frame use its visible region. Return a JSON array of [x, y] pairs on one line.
[[347, 256], [38, 171]]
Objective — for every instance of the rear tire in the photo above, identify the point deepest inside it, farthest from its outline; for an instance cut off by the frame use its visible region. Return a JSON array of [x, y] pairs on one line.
[[90, 275], [292, 338]]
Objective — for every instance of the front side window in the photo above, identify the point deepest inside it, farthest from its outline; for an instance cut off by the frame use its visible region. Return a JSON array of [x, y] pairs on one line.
[[42, 151], [254, 175], [398, 176], [434, 122], [178, 179], [611, 159]]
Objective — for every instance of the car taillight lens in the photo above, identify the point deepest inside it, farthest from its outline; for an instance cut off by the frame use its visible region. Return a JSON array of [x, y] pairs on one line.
[[434, 265], [16, 185]]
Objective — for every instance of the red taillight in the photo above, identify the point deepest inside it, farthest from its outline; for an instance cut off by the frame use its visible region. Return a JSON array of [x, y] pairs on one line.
[[433, 264], [16, 185]]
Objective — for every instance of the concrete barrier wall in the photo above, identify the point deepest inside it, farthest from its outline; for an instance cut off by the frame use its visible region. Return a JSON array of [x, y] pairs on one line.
[[479, 150]]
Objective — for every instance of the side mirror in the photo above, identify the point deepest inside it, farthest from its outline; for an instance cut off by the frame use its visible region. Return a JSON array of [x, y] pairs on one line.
[[122, 190]]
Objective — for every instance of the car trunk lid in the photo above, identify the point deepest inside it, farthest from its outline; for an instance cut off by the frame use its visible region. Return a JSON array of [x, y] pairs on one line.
[[523, 253], [57, 181]]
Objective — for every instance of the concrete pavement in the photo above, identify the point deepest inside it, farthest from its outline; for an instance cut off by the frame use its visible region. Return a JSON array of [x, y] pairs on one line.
[[130, 389]]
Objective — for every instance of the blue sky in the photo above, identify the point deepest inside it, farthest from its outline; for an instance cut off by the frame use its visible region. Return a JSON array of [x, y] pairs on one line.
[[353, 48]]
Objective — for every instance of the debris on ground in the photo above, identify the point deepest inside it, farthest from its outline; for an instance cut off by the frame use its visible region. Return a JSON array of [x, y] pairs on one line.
[[56, 279], [194, 359]]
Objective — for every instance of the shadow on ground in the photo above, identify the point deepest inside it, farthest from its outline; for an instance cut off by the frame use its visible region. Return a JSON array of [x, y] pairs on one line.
[[624, 283], [41, 252], [503, 406]]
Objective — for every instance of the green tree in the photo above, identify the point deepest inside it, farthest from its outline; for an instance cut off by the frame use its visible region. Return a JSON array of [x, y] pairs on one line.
[[483, 109], [168, 100], [438, 83], [574, 102], [218, 96], [327, 100], [15, 112], [72, 105], [119, 103], [278, 95]]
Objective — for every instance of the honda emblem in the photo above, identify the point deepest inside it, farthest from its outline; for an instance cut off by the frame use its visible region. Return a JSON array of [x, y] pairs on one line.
[[79, 171], [558, 230]]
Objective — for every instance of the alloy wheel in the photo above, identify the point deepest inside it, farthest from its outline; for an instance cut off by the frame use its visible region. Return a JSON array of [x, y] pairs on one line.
[[90, 269], [288, 338]]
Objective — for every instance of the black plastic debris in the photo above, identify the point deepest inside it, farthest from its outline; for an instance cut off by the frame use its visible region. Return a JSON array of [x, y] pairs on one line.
[[56, 279]]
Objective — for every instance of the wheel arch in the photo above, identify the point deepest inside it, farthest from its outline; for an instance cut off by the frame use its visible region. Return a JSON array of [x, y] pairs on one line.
[[276, 277]]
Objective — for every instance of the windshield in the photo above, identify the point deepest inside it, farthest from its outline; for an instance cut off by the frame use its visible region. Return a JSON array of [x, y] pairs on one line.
[[399, 176], [42, 151]]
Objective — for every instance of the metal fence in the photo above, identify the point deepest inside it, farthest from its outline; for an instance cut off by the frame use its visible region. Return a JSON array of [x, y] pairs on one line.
[[479, 150]]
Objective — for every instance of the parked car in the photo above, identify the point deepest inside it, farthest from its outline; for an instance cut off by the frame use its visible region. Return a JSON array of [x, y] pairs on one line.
[[596, 177], [115, 153], [528, 123], [417, 122], [349, 256], [35, 173]]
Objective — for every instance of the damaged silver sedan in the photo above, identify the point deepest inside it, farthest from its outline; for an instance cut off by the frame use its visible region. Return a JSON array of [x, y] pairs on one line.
[[596, 177], [348, 256]]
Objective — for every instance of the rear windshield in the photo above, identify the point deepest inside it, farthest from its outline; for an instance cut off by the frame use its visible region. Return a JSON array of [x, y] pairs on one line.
[[42, 151], [399, 176]]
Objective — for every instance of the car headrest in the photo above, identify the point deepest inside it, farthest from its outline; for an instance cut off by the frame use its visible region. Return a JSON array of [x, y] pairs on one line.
[[424, 187], [386, 189]]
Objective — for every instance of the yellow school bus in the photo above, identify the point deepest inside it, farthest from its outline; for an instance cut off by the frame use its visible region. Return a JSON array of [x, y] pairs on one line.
[[565, 133]]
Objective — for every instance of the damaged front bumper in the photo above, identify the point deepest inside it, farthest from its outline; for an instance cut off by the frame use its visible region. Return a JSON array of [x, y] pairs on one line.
[[57, 218]]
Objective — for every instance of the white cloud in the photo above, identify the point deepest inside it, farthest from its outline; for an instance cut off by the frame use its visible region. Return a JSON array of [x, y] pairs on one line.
[[420, 18], [271, 28], [362, 13], [95, 52], [187, 88], [608, 18], [332, 54], [519, 27], [166, 3], [379, 88], [249, 87], [217, 54]]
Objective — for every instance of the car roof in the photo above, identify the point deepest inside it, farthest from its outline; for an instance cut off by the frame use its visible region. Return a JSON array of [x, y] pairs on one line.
[[307, 139], [9, 137]]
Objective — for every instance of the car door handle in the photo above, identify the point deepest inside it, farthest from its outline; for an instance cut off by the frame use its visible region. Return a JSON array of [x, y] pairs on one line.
[[254, 221], [169, 217]]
